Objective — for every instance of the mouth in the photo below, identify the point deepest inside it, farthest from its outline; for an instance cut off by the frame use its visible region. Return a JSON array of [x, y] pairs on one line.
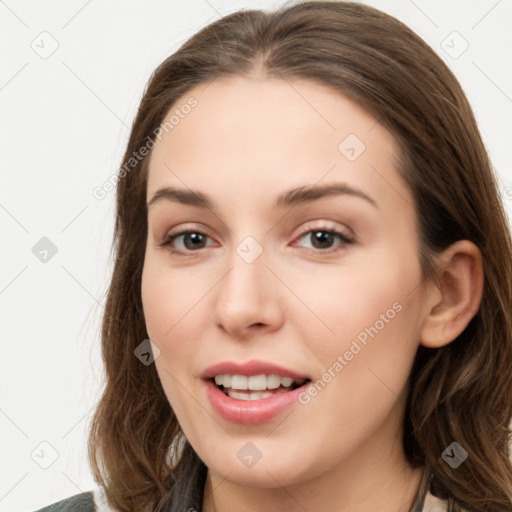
[[252, 392], [255, 387]]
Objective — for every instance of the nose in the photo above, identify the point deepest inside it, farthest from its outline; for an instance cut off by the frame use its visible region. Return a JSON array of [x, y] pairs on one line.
[[247, 300]]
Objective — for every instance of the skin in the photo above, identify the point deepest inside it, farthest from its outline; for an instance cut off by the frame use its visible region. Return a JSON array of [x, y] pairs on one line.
[[247, 141]]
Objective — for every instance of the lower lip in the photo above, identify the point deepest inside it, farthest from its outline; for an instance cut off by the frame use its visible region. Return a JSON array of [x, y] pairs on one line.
[[250, 412]]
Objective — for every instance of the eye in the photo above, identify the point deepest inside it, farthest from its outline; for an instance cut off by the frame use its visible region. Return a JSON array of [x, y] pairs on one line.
[[186, 242], [323, 240]]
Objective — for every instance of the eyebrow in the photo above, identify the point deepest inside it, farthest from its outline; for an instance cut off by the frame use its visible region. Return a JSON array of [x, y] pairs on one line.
[[290, 198]]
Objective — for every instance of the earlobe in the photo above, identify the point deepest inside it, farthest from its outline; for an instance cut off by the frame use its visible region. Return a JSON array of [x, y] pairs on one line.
[[456, 298]]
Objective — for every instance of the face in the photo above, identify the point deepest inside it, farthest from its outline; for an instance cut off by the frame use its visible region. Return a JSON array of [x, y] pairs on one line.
[[282, 258]]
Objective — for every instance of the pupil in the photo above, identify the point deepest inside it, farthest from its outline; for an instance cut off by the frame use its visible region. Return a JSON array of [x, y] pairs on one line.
[[322, 239], [196, 240]]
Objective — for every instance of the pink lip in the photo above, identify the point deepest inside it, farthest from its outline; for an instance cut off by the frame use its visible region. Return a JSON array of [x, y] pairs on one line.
[[253, 412], [250, 368]]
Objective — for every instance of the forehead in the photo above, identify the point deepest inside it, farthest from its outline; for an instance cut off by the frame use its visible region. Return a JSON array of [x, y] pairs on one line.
[[257, 134]]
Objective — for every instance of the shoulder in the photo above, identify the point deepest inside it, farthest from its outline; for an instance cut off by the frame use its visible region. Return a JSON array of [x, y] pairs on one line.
[[83, 502], [91, 501]]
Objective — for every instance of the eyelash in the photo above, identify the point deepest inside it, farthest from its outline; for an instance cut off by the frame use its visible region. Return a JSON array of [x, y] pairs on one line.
[[345, 240]]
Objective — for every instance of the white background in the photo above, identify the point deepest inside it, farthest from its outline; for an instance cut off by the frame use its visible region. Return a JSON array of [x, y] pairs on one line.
[[64, 125]]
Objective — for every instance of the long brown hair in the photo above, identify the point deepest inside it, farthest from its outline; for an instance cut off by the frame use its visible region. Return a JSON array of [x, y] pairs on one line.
[[461, 392]]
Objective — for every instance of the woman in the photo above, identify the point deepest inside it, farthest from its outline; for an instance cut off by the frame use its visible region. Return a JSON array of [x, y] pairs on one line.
[[309, 232]]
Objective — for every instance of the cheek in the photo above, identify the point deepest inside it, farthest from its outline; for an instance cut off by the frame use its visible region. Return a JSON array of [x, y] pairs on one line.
[[168, 297], [371, 320], [363, 305], [169, 307], [362, 370], [176, 312], [156, 301]]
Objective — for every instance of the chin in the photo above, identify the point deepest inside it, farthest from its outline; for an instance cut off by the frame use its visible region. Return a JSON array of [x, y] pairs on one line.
[[277, 466]]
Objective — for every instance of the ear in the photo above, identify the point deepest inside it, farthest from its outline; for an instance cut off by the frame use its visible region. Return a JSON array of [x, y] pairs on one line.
[[456, 297]]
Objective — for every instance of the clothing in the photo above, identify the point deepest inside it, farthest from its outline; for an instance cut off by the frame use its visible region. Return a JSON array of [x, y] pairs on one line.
[[94, 501], [91, 501], [426, 500], [79, 503]]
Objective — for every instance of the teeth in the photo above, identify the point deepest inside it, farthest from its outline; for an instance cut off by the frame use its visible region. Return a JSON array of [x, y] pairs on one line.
[[255, 382], [273, 381], [239, 382], [286, 381], [256, 395]]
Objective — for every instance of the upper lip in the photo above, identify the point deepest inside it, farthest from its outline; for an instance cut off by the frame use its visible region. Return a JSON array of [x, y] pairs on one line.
[[250, 368]]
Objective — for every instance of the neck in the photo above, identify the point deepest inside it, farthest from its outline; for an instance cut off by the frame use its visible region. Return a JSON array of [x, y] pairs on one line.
[[386, 485]]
